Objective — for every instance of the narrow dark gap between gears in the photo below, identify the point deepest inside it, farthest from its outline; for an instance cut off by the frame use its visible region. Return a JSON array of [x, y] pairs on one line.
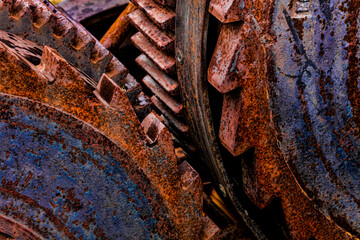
[[179, 119]]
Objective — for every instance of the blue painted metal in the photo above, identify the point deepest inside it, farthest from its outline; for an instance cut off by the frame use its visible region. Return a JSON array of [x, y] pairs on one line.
[[315, 100], [64, 180]]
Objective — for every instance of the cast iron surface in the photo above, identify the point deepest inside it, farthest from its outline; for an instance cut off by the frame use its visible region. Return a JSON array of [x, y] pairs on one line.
[[64, 180], [82, 159], [315, 99]]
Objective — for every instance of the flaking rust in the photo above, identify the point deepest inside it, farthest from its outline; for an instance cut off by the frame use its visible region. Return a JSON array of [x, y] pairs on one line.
[[274, 64], [76, 162]]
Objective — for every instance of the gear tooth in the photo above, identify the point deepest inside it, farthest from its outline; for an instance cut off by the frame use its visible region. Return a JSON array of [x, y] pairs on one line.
[[82, 39], [152, 127], [99, 58], [40, 14], [174, 105], [99, 53], [105, 90], [234, 125], [49, 63], [110, 94], [60, 25], [227, 11], [170, 118], [166, 82], [116, 70], [19, 8]]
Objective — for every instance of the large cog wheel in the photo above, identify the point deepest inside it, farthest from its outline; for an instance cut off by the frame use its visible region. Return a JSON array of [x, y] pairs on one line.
[[76, 161]]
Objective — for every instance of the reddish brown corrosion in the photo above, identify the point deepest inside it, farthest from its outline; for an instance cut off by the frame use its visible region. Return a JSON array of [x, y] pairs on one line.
[[228, 11], [118, 30], [241, 68], [151, 31], [353, 67], [174, 105], [165, 62], [162, 16], [69, 93], [170, 3], [166, 82]]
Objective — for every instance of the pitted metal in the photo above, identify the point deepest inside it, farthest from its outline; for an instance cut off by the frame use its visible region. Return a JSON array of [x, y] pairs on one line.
[[43, 24], [288, 73], [76, 161]]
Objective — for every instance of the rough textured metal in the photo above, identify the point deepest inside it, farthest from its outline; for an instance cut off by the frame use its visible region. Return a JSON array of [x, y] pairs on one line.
[[80, 135], [283, 97], [85, 9], [45, 25], [191, 42], [173, 120], [175, 106], [165, 62], [71, 174], [229, 10], [162, 16], [119, 30], [166, 82], [152, 32], [170, 3], [321, 141]]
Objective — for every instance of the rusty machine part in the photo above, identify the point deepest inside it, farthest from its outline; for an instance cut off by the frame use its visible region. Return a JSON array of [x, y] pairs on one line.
[[288, 72], [76, 163], [285, 136], [265, 94]]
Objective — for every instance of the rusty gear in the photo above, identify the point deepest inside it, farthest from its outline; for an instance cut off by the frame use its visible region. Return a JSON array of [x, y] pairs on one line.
[[304, 160], [285, 137], [76, 162]]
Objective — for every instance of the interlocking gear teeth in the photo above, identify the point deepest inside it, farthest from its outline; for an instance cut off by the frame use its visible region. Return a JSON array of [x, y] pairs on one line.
[[116, 70], [179, 186], [61, 33]]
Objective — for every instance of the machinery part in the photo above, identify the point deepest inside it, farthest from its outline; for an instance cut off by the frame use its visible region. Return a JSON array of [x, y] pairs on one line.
[[279, 113], [303, 156], [238, 69], [43, 24], [118, 30], [75, 158], [321, 142], [155, 22]]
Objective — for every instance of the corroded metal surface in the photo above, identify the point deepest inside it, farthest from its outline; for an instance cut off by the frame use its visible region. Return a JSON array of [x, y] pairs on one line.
[[41, 23], [167, 83], [84, 9], [175, 122], [57, 166], [191, 42], [289, 75], [229, 10], [174, 105], [289, 78], [78, 142], [152, 32], [162, 16], [163, 60], [315, 96], [170, 3], [119, 30]]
